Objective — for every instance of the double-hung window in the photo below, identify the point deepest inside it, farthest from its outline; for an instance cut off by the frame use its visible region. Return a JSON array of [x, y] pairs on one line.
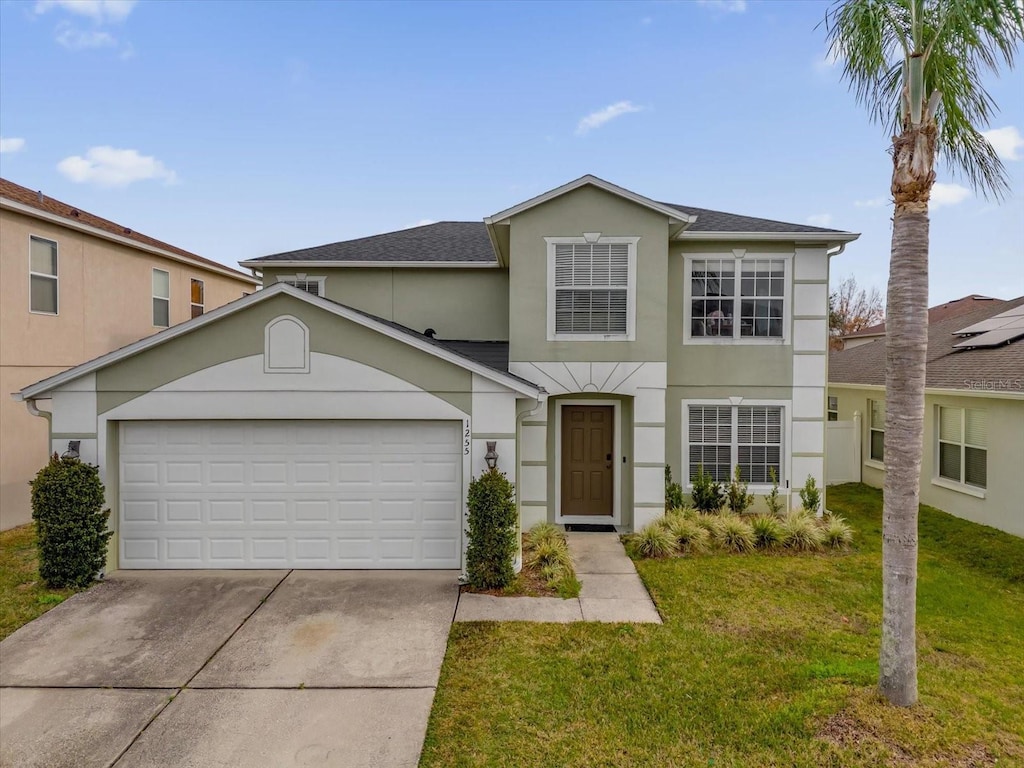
[[591, 289], [833, 408], [876, 431], [721, 437], [307, 283], [198, 297], [42, 276], [734, 298], [963, 446], [161, 298]]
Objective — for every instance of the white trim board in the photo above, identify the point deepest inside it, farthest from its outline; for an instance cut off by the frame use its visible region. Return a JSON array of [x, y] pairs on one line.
[[616, 518], [329, 264]]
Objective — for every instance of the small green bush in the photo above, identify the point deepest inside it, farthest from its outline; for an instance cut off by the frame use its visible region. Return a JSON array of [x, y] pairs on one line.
[[71, 525], [542, 532], [810, 495], [735, 534], [776, 505], [653, 540], [546, 549], [689, 536], [707, 493], [550, 553], [767, 531], [710, 523], [837, 533], [686, 512], [492, 531], [736, 496], [674, 497], [801, 532]]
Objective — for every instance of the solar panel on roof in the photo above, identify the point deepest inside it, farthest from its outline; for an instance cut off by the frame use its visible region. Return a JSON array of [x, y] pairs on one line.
[[1007, 319], [992, 338]]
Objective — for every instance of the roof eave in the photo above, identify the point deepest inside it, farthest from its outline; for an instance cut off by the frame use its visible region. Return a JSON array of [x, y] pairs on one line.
[[832, 238], [330, 263]]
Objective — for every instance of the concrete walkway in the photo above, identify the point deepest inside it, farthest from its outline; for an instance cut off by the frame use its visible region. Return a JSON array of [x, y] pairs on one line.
[[611, 591]]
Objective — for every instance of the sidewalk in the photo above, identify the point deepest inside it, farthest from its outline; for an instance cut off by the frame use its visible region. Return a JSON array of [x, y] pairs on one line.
[[611, 591]]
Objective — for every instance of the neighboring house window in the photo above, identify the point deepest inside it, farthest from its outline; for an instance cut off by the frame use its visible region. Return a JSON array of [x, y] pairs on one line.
[[876, 431], [42, 276], [313, 285], [749, 305], [833, 408], [198, 297], [592, 289], [963, 443], [724, 436], [161, 298]]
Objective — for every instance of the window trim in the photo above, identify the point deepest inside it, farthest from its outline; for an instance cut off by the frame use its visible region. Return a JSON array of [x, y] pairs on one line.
[[785, 455], [154, 297], [869, 460], [321, 280], [192, 305], [740, 255], [55, 277], [961, 486], [630, 334]]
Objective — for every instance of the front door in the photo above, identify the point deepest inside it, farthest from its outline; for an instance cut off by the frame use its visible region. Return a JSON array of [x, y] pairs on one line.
[[587, 461]]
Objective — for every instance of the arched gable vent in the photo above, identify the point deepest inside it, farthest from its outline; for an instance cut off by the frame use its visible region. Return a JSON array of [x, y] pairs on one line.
[[286, 347]]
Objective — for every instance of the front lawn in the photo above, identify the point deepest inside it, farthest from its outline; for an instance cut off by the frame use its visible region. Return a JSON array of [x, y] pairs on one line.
[[762, 661], [23, 596]]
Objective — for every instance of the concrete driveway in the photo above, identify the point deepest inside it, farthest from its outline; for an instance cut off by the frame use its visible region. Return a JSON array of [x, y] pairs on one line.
[[229, 668]]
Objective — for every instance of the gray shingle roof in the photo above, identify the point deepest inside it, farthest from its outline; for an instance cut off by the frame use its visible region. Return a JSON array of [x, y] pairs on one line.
[[719, 221], [463, 241], [947, 368]]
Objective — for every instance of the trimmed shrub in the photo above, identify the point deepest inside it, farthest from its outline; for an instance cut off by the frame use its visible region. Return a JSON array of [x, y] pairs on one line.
[[492, 531], [767, 531], [707, 494], [653, 540], [736, 496], [810, 495], [773, 501], [837, 533], [735, 534], [800, 532], [674, 497], [71, 525], [689, 536]]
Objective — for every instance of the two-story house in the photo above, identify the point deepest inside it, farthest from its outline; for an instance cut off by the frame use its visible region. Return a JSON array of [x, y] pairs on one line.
[[74, 286], [579, 340]]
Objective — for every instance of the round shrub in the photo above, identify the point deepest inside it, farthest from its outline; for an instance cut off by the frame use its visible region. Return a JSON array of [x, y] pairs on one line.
[[801, 532], [653, 540], [492, 531], [837, 533], [735, 534], [690, 538], [71, 525], [767, 531]]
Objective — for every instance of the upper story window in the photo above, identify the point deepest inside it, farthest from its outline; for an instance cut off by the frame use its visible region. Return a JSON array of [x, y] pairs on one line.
[[42, 275], [721, 437], [307, 283], [731, 298], [963, 446], [161, 298], [198, 297], [591, 288], [876, 430]]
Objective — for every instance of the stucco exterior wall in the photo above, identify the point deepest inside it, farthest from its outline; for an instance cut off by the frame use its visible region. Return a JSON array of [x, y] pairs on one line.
[[1003, 503], [459, 303], [105, 302]]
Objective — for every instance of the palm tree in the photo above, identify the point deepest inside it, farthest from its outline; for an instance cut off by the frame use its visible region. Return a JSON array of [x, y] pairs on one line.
[[918, 64]]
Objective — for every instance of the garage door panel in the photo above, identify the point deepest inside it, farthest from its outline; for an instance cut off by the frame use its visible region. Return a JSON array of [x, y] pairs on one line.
[[290, 494]]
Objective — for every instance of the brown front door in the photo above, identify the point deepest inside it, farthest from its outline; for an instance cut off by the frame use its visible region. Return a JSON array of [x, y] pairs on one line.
[[587, 460]]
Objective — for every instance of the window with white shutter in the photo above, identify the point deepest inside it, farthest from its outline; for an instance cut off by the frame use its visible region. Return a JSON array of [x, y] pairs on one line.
[[721, 437], [963, 446], [710, 433], [591, 289]]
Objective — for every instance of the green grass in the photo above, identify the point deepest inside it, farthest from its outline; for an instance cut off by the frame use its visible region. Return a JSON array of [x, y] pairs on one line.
[[762, 661], [23, 596]]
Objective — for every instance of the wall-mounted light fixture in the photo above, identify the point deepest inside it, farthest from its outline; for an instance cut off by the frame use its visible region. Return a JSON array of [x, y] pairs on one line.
[[491, 457], [72, 451]]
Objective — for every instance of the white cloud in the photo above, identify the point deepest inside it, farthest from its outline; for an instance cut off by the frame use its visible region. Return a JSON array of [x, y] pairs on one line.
[[97, 10], [728, 6], [602, 116], [820, 219], [77, 40], [8, 146], [109, 167], [874, 202], [948, 194], [1007, 142]]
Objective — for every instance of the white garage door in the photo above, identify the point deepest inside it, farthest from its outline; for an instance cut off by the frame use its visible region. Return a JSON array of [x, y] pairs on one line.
[[296, 494]]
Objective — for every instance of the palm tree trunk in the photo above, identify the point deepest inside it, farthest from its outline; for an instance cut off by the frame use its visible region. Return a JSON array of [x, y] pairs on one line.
[[906, 348]]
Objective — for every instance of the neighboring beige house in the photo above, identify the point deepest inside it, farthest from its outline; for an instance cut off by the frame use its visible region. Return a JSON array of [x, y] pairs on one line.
[[973, 463], [74, 286], [581, 340]]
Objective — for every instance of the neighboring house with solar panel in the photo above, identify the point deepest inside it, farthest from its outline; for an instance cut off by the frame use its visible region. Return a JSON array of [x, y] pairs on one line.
[[580, 341], [973, 463]]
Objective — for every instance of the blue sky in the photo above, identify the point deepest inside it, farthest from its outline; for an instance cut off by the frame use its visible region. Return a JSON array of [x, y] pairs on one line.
[[236, 130]]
